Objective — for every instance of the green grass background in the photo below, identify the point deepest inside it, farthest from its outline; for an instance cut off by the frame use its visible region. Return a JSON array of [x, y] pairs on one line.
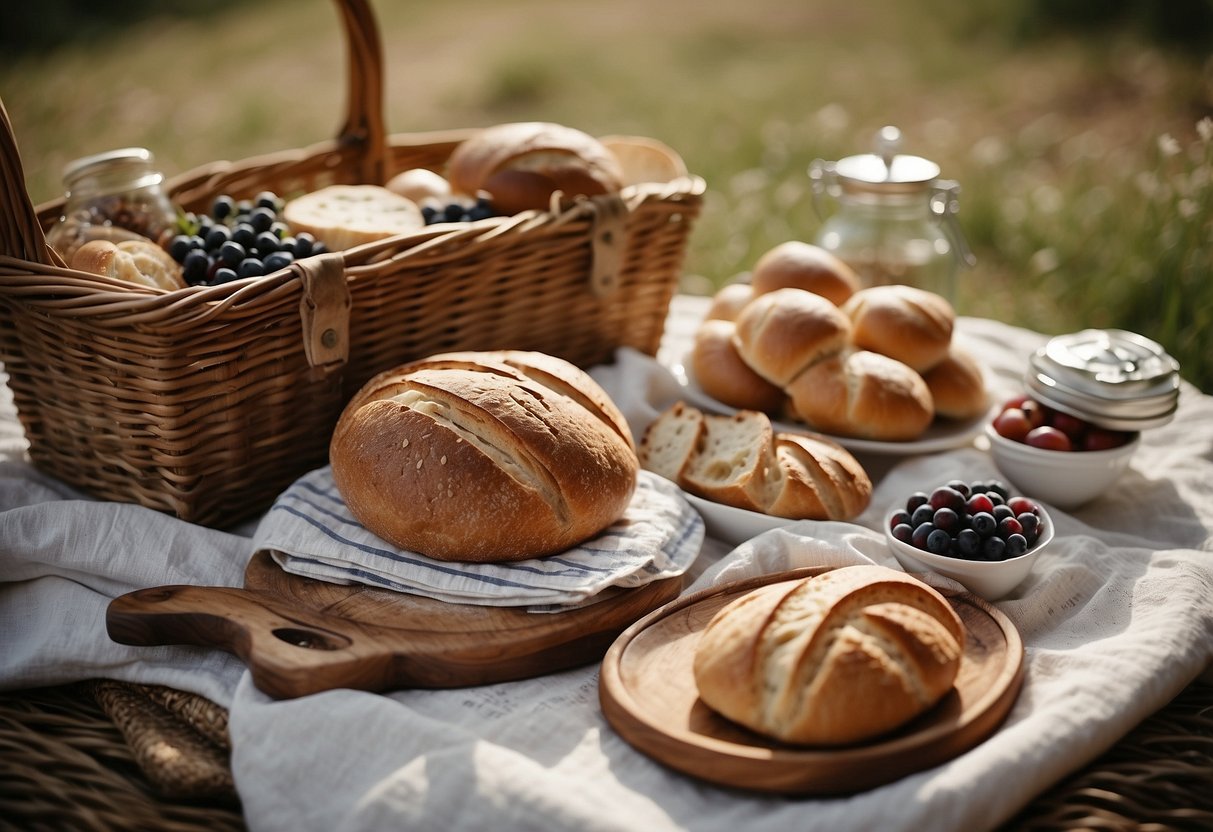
[[1087, 190]]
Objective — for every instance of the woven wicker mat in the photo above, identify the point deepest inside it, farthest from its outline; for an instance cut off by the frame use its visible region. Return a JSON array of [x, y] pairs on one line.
[[65, 763]]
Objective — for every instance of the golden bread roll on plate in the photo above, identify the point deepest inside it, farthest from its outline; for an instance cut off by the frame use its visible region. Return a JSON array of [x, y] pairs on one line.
[[729, 300], [865, 395], [836, 658], [485, 457], [800, 265], [722, 374], [818, 479], [903, 322], [957, 386], [136, 261], [781, 333]]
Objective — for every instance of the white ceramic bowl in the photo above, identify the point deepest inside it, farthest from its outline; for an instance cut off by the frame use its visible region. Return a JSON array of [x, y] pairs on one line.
[[1065, 479], [989, 579]]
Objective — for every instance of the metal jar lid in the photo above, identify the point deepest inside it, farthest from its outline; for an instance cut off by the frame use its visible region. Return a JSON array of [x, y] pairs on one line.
[[1113, 378], [886, 170]]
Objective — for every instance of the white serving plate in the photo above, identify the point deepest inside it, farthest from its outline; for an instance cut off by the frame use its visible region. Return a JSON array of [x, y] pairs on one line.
[[942, 435], [734, 525]]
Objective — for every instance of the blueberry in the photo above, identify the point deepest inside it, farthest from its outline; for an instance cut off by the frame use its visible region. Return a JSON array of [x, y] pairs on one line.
[[178, 247], [195, 266], [961, 486], [968, 543], [922, 514], [994, 548], [1002, 511], [250, 267], [915, 500], [267, 199], [280, 230], [197, 242], [217, 236], [984, 524], [1008, 526], [266, 243], [1030, 523], [319, 247], [1017, 544], [1000, 488], [429, 213], [278, 260], [903, 532], [224, 274], [223, 207], [947, 497], [231, 253], [244, 234], [898, 518], [303, 244], [453, 212], [919, 537], [946, 519], [261, 219], [938, 542], [478, 213]]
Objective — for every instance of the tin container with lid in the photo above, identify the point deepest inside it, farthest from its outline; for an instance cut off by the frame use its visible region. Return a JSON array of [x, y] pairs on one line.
[[896, 220], [1112, 378]]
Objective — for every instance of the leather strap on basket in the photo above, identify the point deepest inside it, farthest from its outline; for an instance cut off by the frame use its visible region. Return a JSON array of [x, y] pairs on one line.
[[608, 241], [324, 311]]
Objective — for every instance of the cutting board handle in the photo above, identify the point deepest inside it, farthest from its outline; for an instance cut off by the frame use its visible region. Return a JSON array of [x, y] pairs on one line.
[[290, 652]]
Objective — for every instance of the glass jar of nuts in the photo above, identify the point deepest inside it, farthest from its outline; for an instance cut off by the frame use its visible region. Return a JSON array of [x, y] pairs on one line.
[[113, 196]]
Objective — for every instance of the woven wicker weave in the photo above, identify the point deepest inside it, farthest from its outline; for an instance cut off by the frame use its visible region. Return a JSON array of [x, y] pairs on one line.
[[206, 402], [64, 765]]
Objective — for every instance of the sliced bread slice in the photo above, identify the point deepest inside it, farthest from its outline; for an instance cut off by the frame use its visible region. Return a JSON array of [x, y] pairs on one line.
[[671, 441], [734, 460]]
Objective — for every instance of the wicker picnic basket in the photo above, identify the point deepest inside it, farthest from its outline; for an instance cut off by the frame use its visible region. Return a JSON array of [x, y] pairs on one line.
[[207, 402]]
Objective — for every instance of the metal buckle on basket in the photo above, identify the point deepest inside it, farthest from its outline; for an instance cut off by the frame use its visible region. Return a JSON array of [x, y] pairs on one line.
[[324, 311], [608, 241]]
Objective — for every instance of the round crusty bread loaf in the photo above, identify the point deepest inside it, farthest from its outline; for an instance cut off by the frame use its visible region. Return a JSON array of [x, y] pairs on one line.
[[484, 457], [781, 333], [957, 386], [136, 261], [863, 395], [344, 216], [903, 322], [818, 480], [836, 658], [521, 164], [805, 266], [723, 375]]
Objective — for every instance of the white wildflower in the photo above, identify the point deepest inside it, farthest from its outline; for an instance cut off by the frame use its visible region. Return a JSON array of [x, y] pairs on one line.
[[1044, 261], [1167, 145], [1204, 127]]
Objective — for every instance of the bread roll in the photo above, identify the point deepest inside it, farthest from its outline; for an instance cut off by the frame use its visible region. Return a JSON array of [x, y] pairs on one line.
[[865, 395], [957, 386], [912, 325], [781, 333], [728, 301], [837, 658], [642, 159], [344, 216], [420, 185], [484, 457], [817, 479], [721, 373], [805, 266], [733, 460], [136, 261], [521, 164]]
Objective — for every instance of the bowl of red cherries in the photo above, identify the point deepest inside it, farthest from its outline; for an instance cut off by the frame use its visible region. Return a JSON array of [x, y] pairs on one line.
[[1055, 456], [981, 534]]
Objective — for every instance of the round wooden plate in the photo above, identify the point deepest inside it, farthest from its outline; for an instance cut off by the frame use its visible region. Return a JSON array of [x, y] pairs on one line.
[[648, 694]]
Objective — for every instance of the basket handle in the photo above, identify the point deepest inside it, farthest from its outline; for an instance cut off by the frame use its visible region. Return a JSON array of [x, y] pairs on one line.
[[20, 233], [364, 129]]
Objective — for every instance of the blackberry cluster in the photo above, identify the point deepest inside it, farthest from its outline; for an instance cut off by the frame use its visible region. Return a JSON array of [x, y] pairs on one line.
[[978, 521], [239, 238]]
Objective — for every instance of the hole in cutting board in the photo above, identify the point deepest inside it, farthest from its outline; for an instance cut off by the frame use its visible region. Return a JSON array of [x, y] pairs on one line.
[[310, 639]]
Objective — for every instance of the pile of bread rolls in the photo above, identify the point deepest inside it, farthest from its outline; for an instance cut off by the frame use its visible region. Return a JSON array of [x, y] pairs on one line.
[[836, 658], [741, 461], [802, 340]]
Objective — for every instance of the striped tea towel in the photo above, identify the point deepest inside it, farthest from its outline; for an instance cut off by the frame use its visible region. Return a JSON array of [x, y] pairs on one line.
[[310, 532]]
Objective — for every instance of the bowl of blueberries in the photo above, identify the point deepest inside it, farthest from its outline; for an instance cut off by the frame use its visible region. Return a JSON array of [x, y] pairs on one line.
[[980, 534]]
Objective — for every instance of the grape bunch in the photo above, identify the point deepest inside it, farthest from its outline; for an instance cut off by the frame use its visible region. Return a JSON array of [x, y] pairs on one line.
[[980, 521], [238, 239]]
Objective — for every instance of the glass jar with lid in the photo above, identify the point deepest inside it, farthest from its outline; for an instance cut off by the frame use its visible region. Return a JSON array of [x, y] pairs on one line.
[[113, 196], [895, 219]]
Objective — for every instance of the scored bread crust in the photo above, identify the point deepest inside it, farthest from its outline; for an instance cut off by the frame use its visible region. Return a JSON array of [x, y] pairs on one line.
[[818, 479], [864, 395], [903, 322], [836, 658], [522, 163], [722, 373], [508, 457], [781, 333]]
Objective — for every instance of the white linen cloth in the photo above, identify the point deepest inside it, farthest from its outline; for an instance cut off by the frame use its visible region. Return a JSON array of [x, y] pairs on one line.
[[309, 531], [1117, 617]]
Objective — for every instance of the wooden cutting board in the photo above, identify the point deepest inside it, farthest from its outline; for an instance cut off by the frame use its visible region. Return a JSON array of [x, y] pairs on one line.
[[300, 636], [648, 694]]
